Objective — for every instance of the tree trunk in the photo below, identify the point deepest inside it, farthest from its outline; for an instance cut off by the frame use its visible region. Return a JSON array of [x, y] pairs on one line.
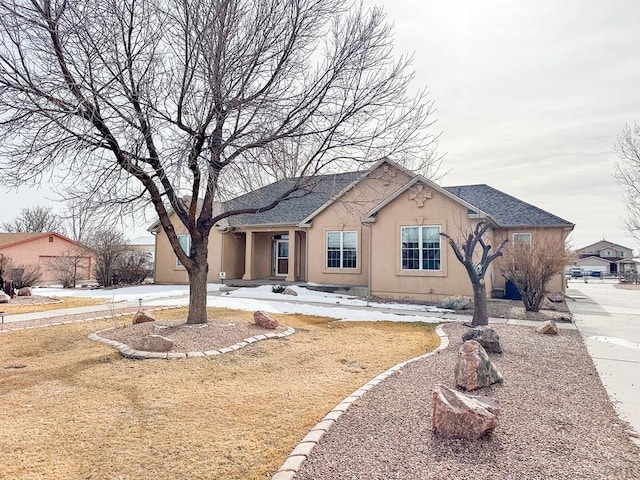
[[198, 283], [480, 312]]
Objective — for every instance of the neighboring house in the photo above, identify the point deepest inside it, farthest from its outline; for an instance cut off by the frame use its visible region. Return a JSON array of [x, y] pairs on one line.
[[378, 229], [45, 251], [606, 257], [144, 244]]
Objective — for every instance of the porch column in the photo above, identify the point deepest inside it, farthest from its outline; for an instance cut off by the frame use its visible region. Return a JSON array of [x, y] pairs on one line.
[[248, 256], [291, 273]]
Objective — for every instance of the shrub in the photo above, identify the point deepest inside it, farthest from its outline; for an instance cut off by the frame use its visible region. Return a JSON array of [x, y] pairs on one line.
[[25, 275], [457, 302], [278, 288]]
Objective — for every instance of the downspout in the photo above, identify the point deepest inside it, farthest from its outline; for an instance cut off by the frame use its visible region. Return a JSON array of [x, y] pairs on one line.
[[155, 257], [369, 255]]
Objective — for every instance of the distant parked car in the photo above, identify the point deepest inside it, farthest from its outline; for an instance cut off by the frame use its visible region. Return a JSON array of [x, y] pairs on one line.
[[576, 272]]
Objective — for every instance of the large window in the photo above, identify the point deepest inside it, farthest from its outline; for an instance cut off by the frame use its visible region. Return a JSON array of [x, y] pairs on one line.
[[421, 248], [342, 249], [185, 244]]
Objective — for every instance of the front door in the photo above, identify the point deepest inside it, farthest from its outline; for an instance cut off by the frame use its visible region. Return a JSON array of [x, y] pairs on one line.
[[281, 257]]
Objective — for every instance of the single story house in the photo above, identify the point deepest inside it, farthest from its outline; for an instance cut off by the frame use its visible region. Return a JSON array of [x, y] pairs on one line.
[[378, 229], [606, 257], [46, 250]]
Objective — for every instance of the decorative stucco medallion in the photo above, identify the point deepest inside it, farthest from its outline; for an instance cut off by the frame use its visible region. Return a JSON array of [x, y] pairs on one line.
[[419, 195], [386, 174]]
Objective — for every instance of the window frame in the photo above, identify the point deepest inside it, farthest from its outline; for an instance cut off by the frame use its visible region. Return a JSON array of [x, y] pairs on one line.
[[522, 234], [341, 250], [421, 250], [187, 245]]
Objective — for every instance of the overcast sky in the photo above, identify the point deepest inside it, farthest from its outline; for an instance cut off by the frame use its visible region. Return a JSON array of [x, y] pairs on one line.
[[530, 98]]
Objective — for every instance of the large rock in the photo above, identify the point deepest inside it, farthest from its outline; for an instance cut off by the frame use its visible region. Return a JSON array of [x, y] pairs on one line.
[[4, 298], [485, 336], [24, 292], [290, 291], [474, 369], [141, 317], [153, 343], [456, 415], [264, 320], [548, 328], [555, 297]]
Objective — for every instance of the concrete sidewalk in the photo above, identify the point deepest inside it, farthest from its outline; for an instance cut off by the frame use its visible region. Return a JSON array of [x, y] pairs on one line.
[[609, 320]]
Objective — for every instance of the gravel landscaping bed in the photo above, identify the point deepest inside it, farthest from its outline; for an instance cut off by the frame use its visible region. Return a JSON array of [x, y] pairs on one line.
[[190, 338], [557, 421]]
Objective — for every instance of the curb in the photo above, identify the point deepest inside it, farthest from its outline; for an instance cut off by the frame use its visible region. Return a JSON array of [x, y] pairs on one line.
[[67, 322], [128, 352], [296, 458]]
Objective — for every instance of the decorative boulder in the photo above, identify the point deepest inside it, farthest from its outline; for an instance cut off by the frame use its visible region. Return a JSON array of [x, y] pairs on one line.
[[264, 320], [24, 292], [485, 336], [555, 297], [474, 369], [4, 298], [141, 317], [456, 415], [154, 343], [548, 328], [290, 291]]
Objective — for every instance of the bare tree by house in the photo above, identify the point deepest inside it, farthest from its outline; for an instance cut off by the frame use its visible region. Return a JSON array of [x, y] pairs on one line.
[[135, 102], [35, 219], [80, 220], [532, 265], [108, 245], [627, 173], [25, 275], [133, 266], [70, 267], [476, 261]]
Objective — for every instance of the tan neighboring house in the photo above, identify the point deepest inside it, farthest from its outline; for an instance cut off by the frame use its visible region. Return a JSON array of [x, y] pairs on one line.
[[43, 249], [377, 229], [606, 257]]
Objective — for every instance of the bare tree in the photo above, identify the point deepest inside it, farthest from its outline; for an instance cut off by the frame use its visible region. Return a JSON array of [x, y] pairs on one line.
[[133, 266], [80, 220], [129, 101], [71, 266], [476, 263], [532, 266], [627, 173], [35, 219], [108, 245]]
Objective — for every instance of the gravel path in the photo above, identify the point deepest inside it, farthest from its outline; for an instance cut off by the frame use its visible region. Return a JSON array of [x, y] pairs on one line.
[[557, 421]]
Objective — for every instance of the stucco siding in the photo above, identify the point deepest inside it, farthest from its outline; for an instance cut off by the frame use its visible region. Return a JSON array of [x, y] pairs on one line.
[[345, 215]]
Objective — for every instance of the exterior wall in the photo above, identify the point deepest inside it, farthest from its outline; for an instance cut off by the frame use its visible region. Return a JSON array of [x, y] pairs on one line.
[[42, 251], [387, 277], [345, 215], [167, 269], [233, 254]]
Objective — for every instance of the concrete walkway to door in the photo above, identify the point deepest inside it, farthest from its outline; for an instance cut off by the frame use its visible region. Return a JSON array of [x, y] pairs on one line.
[[608, 317]]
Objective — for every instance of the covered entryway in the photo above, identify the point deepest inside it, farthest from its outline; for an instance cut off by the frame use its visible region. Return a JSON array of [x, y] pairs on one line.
[[276, 255]]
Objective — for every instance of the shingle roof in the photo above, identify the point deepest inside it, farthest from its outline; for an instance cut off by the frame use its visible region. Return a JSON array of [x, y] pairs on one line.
[[295, 209], [10, 238], [506, 210]]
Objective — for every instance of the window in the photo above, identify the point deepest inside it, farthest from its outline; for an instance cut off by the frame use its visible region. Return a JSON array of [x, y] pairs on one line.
[[621, 253], [185, 244], [522, 239], [420, 248], [342, 249]]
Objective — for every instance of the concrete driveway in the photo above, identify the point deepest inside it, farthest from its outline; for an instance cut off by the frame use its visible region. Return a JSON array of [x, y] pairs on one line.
[[609, 320]]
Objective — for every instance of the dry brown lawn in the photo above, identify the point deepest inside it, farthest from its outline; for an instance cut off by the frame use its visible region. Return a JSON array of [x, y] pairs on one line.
[[15, 307], [71, 408]]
